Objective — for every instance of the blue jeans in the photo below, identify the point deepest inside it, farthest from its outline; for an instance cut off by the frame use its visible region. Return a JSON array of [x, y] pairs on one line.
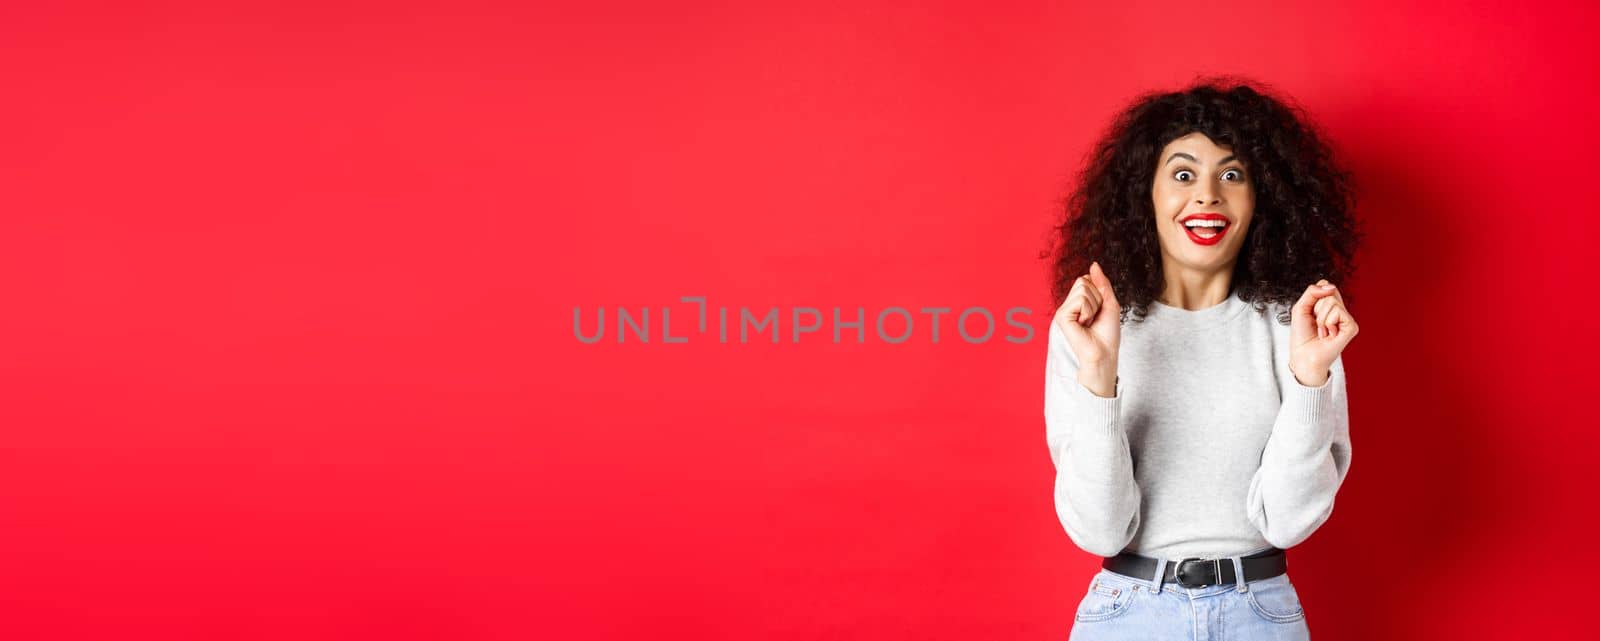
[[1117, 608]]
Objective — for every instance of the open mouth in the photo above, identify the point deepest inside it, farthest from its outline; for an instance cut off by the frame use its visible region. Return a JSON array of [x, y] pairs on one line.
[[1206, 229]]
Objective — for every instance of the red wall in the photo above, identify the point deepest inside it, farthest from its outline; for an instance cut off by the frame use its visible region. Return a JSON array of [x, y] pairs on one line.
[[289, 294]]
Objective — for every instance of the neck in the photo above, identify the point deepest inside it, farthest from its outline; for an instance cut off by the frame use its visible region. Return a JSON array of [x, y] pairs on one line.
[[1193, 290]]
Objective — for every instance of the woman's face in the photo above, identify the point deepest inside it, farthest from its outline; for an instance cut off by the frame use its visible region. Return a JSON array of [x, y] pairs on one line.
[[1196, 180]]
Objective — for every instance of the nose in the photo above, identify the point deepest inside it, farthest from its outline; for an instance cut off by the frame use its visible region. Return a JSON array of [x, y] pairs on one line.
[[1206, 197]]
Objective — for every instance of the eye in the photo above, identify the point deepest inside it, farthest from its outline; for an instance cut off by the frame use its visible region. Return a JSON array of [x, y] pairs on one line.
[[1237, 175], [1181, 173]]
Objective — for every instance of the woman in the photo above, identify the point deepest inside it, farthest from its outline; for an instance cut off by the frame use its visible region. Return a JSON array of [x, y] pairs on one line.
[[1198, 440]]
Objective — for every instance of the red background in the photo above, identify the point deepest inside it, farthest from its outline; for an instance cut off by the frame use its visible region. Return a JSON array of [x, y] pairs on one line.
[[288, 346]]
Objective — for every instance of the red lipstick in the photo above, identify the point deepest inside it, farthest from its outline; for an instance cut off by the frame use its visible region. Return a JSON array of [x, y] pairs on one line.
[[1199, 240]]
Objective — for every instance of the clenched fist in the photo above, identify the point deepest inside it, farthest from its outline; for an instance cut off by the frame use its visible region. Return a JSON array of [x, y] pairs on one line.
[[1319, 329], [1091, 319]]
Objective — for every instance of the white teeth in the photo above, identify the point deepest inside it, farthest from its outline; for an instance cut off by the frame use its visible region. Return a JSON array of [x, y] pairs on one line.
[[1205, 223]]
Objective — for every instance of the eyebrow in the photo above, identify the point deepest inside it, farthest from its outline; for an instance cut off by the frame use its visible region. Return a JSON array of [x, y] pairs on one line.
[[1180, 154]]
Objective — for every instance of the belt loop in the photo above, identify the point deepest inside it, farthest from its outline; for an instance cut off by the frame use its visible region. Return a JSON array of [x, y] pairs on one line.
[[1238, 574], [1161, 571]]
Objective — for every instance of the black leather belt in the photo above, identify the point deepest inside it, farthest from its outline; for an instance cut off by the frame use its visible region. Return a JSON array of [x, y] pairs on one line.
[[1197, 572]]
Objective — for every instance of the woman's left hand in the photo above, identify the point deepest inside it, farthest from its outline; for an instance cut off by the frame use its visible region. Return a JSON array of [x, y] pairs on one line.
[[1319, 329]]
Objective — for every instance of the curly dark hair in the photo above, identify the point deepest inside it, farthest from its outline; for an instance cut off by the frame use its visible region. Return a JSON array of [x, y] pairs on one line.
[[1303, 227]]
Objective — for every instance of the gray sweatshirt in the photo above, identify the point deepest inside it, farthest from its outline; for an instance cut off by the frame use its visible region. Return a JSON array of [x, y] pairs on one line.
[[1210, 447]]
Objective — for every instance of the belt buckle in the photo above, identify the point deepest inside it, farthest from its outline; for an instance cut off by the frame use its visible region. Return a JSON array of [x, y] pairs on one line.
[[1177, 572]]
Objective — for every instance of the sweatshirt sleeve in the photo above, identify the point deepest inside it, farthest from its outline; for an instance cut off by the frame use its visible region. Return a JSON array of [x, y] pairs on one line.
[[1096, 495], [1304, 462]]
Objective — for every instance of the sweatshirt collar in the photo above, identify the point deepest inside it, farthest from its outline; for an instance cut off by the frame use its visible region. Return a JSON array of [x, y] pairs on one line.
[[1208, 317]]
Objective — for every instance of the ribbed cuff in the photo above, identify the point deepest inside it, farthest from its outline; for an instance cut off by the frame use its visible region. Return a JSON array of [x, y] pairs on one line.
[[1313, 406], [1313, 399], [1096, 410]]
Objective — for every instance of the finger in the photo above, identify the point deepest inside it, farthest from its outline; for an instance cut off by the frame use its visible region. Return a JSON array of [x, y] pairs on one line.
[[1078, 286], [1108, 294], [1303, 308], [1075, 332], [1082, 291], [1330, 324], [1347, 324], [1335, 289], [1087, 312], [1067, 316], [1084, 306], [1069, 309], [1323, 305], [1340, 323], [1323, 309]]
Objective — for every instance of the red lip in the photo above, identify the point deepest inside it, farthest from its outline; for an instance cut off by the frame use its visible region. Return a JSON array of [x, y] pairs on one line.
[[1206, 216]]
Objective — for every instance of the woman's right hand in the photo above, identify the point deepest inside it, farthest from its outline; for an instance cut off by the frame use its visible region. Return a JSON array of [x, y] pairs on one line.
[[1091, 319]]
